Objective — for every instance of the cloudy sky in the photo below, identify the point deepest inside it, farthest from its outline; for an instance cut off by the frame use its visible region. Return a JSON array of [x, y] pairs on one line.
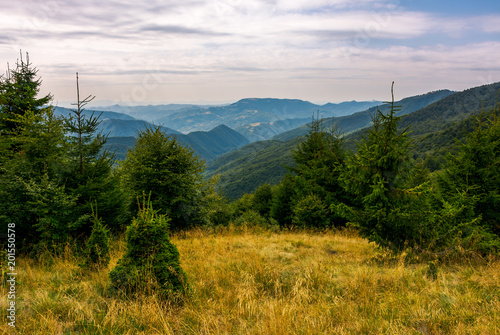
[[178, 51]]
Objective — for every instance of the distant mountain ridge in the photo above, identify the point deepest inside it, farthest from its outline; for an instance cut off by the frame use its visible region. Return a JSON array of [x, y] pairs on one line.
[[254, 118], [150, 113], [66, 112], [115, 124]]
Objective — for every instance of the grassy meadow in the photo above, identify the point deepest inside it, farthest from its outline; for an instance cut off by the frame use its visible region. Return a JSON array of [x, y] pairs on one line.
[[261, 282]]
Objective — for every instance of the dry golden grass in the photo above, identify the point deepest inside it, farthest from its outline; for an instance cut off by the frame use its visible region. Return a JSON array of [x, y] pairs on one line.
[[258, 282]]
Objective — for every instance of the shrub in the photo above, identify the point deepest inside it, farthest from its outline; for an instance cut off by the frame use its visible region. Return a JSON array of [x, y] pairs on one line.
[[262, 200], [282, 202], [151, 262], [310, 212], [250, 218], [97, 246]]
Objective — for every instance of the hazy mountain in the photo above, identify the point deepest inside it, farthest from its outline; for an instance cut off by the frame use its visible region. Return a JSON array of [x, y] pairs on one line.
[[115, 124], [66, 112], [256, 119], [362, 119], [123, 128], [150, 113], [349, 107], [208, 145]]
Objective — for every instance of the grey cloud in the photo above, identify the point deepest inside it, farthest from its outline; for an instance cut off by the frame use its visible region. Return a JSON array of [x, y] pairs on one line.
[[246, 69], [43, 34], [146, 72], [180, 30], [329, 33]]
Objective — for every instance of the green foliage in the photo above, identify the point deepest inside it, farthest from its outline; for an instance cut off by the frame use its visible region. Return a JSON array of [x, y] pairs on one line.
[[262, 200], [18, 94], [171, 172], [29, 179], [372, 177], [251, 218], [398, 208], [151, 260], [242, 171], [214, 210], [38, 145], [97, 247], [282, 202], [241, 205], [319, 161], [475, 170], [51, 169], [440, 226], [311, 211], [51, 209], [87, 170]]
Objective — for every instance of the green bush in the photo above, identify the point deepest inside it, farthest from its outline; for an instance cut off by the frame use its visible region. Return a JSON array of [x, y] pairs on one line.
[[97, 246], [151, 262], [262, 200], [311, 212], [282, 202], [251, 218]]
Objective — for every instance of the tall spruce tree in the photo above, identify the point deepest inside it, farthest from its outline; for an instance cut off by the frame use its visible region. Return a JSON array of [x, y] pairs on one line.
[[88, 175], [373, 176], [33, 149]]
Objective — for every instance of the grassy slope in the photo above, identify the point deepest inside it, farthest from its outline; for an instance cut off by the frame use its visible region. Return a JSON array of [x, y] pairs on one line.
[[266, 283]]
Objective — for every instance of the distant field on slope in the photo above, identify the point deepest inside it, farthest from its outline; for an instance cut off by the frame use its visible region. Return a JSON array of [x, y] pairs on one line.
[[262, 282]]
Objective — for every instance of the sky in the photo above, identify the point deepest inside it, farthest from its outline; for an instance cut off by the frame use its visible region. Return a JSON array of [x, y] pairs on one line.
[[191, 51]]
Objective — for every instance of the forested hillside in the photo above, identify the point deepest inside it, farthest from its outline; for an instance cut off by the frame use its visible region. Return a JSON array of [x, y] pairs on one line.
[[242, 171], [245, 169]]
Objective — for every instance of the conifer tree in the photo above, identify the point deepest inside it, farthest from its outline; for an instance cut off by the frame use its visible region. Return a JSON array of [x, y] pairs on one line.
[[262, 200], [151, 263], [18, 93], [171, 172], [283, 201], [476, 171], [88, 173], [372, 177], [32, 150], [319, 160], [97, 246]]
